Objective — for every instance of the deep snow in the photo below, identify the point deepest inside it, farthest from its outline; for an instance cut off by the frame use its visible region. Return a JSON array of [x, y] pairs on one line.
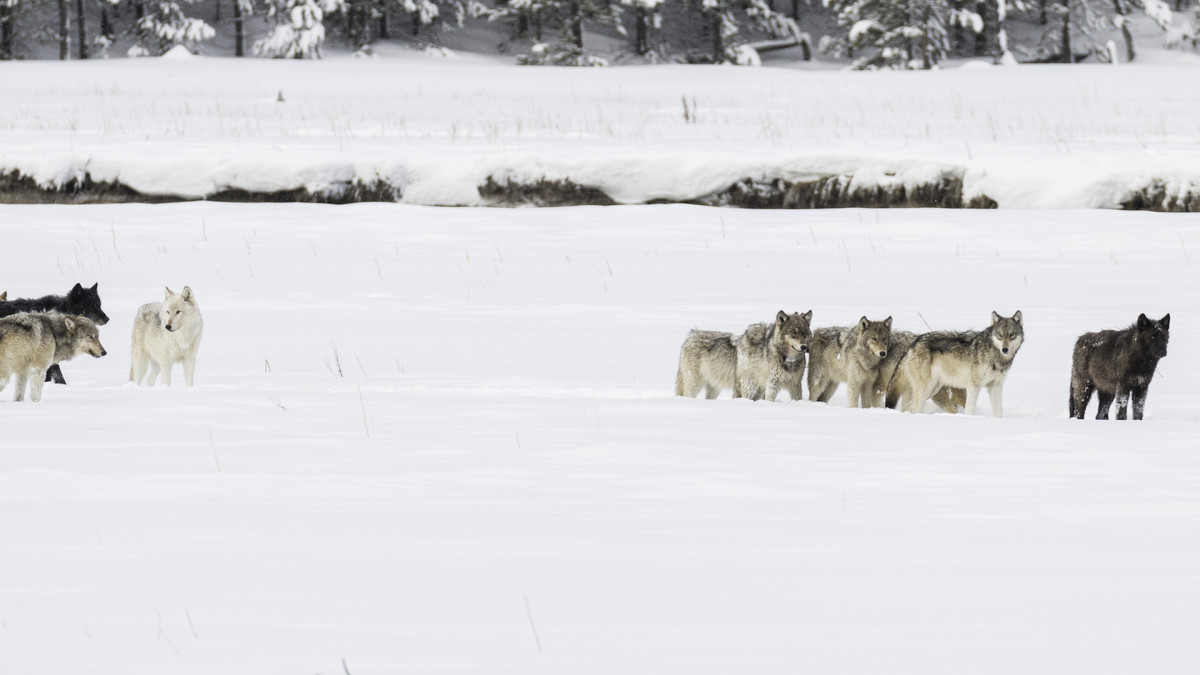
[[436, 129], [431, 440]]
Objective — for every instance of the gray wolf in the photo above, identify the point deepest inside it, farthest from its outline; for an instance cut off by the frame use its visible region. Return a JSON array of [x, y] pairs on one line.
[[708, 361], [1117, 364], [79, 301], [31, 341], [850, 354], [969, 360], [771, 356], [166, 333], [949, 399]]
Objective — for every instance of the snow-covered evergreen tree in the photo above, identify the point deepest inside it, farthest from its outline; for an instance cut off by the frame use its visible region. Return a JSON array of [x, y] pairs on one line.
[[724, 22], [299, 29], [899, 34], [164, 25], [647, 22], [1075, 27], [569, 15]]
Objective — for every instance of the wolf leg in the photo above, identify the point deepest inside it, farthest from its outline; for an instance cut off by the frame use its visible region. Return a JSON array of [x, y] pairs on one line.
[[35, 386], [996, 395], [1122, 403], [1105, 399], [54, 374], [166, 373], [972, 399], [711, 391], [772, 387], [1081, 394], [22, 380], [152, 373], [1139, 401]]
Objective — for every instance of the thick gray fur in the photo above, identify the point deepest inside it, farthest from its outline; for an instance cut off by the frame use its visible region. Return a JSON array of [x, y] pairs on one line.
[[850, 354], [707, 362], [1117, 364], [949, 399], [771, 357], [971, 360], [31, 341]]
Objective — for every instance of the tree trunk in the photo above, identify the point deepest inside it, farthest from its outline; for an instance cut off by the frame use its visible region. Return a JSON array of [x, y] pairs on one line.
[[796, 10], [64, 31], [1068, 57], [642, 43], [988, 43], [6, 32], [714, 26], [385, 30], [239, 29], [577, 24], [416, 24], [1129, 53], [83, 44], [1042, 20], [217, 11], [139, 10]]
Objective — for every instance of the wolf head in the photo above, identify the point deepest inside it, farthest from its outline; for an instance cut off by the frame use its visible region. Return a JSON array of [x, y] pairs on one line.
[[1154, 334], [177, 309], [794, 332], [86, 302], [875, 336], [85, 337], [1007, 334]]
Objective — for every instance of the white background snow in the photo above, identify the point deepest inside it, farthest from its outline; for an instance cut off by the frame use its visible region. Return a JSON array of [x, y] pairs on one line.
[[445, 440]]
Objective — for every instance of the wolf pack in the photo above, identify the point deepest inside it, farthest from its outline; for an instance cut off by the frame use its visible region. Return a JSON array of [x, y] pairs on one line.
[[37, 334], [900, 369]]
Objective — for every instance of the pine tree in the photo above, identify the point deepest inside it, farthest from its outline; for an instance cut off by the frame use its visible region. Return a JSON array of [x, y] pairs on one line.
[[647, 21], [725, 22], [8, 20], [300, 28], [906, 35], [1075, 27], [164, 25]]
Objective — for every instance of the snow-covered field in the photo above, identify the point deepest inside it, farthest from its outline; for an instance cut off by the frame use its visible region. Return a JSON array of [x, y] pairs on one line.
[[445, 440], [436, 129]]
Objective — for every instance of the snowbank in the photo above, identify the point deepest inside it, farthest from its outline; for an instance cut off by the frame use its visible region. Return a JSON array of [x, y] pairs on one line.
[[434, 132]]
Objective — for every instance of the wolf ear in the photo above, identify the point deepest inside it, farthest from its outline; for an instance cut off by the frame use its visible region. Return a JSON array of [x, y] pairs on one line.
[[780, 318], [187, 293], [888, 322], [1143, 322], [169, 292], [1017, 316], [69, 324], [78, 288], [1165, 321], [995, 317], [807, 316], [863, 323], [95, 287]]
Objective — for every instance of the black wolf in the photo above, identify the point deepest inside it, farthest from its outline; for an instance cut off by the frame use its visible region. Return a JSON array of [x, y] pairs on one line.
[[79, 301], [1117, 364]]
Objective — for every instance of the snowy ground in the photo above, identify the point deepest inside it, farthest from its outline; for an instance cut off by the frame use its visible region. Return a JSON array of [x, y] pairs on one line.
[[430, 440], [436, 129]]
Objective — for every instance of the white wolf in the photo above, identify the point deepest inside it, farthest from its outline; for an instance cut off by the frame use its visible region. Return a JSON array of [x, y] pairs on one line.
[[166, 333], [31, 341]]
